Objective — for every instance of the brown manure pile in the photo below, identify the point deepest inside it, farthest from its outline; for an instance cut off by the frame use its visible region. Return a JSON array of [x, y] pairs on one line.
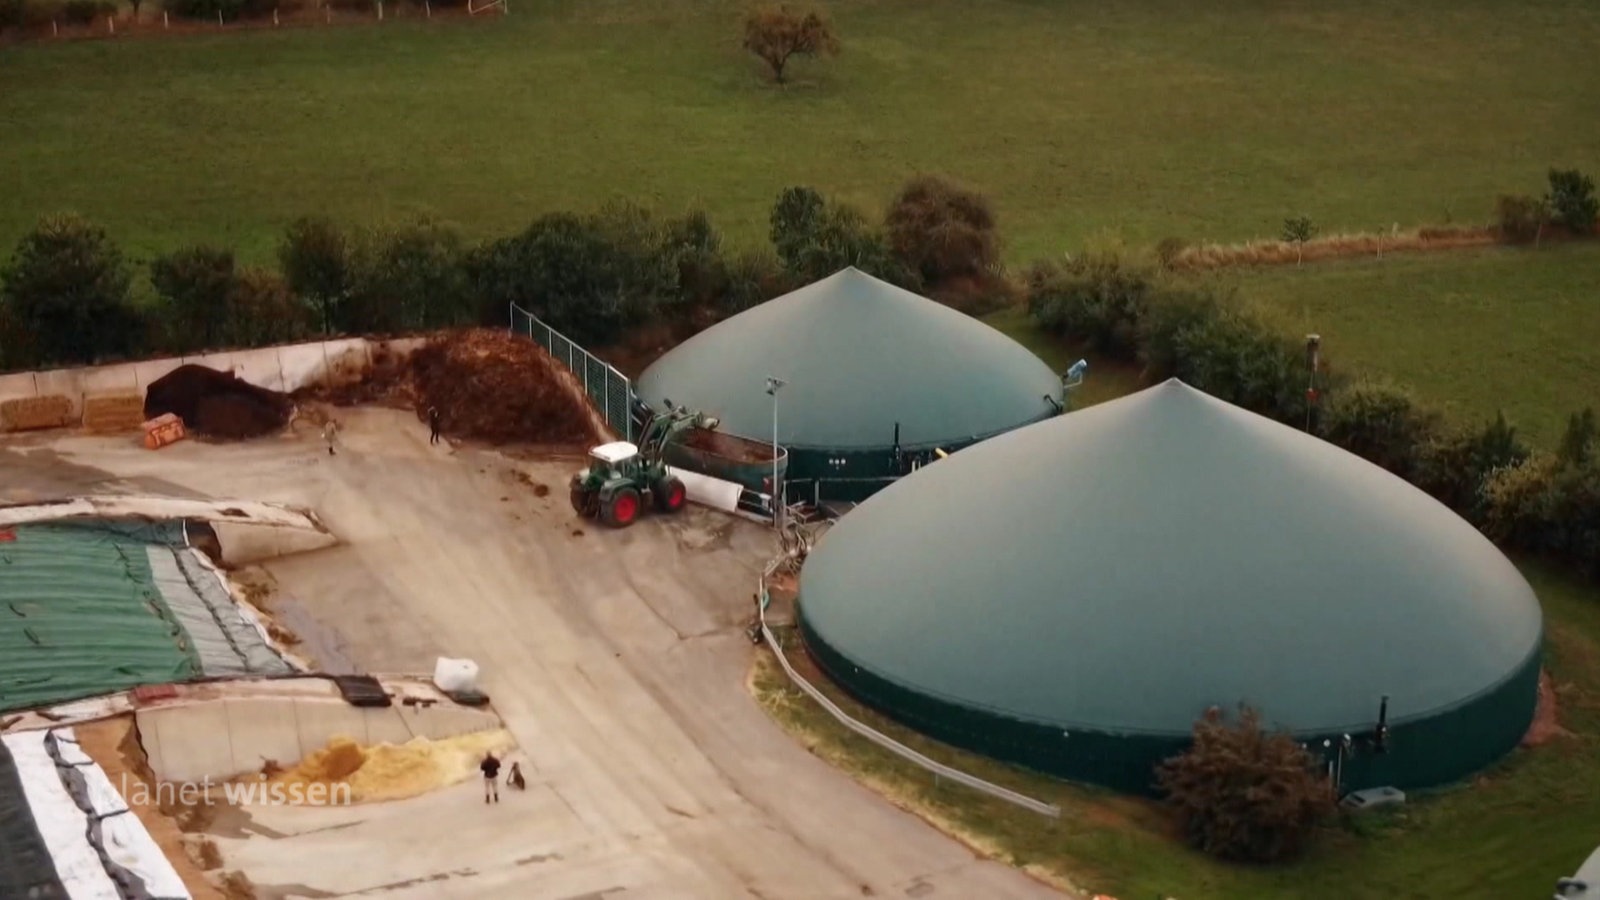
[[497, 386], [217, 404]]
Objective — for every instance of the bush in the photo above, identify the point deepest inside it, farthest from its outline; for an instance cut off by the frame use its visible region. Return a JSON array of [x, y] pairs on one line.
[[1383, 425], [1546, 507], [752, 278], [66, 290], [1577, 442], [942, 232], [815, 238], [1227, 351], [1550, 504], [196, 284], [1243, 794], [265, 312], [1456, 464], [693, 249], [1572, 200], [315, 258], [404, 278], [1519, 218], [1098, 298], [589, 277]]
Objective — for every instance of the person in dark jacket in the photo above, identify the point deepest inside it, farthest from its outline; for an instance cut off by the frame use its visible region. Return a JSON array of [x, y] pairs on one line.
[[433, 424], [491, 777]]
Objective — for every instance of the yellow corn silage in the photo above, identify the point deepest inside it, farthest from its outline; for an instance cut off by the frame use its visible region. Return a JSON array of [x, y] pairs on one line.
[[390, 771]]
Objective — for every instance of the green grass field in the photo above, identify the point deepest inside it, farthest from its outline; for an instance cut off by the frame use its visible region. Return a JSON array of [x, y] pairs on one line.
[[1474, 331], [1148, 119]]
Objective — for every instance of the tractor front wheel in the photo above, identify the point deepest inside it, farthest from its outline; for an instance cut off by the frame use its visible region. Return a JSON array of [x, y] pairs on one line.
[[582, 500], [670, 494], [623, 508]]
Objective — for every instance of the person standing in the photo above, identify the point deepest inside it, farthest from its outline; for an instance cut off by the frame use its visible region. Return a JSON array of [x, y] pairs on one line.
[[329, 432], [491, 777], [433, 424]]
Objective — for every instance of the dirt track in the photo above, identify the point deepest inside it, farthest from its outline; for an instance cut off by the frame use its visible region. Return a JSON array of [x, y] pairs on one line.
[[617, 659]]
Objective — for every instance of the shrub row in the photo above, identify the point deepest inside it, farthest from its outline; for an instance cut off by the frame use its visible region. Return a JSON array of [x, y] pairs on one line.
[[596, 276], [1570, 204]]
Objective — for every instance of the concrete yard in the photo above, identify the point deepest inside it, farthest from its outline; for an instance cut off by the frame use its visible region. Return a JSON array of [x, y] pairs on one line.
[[617, 659]]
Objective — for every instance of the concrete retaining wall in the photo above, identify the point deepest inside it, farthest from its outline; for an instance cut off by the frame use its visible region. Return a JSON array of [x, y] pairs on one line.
[[287, 368], [245, 543], [219, 739]]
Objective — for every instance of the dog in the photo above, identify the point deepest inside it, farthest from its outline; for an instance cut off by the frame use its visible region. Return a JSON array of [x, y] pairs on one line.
[[515, 779]]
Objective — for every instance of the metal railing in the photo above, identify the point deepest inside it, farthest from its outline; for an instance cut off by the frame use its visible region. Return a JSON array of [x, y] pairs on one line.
[[939, 770], [609, 390]]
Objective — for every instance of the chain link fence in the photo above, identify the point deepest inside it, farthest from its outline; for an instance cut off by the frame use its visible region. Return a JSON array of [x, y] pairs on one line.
[[609, 390]]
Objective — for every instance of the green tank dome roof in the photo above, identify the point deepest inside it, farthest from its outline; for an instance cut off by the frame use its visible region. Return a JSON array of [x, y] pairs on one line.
[[1122, 568], [858, 355]]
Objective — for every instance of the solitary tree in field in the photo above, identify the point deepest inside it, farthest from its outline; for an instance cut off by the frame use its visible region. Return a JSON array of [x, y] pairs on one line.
[[775, 33], [1297, 231]]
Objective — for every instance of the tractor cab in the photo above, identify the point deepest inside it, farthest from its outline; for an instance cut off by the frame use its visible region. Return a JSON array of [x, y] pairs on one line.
[[612, 460]]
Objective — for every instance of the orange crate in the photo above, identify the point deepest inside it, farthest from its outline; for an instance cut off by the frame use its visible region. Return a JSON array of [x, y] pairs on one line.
[[163, 430]]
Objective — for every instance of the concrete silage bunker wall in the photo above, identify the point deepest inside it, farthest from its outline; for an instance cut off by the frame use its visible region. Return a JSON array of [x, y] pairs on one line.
[[285, 369], [234, 736]]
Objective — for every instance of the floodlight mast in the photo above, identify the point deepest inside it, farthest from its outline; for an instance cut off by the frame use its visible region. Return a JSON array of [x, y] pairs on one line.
[[773, 386]]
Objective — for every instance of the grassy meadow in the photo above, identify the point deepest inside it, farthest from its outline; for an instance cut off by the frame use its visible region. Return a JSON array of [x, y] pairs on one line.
[[1475, 331], [1078, 118]]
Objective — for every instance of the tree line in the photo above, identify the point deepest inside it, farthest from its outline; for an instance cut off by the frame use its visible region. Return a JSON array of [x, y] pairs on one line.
[[67, 294]]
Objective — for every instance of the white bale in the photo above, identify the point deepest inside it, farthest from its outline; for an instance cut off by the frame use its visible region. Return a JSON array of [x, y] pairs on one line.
[[455, 675], [708, 491]]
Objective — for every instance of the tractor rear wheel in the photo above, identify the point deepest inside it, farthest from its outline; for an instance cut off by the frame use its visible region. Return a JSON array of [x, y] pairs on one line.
[[623, 508], [670, 494]]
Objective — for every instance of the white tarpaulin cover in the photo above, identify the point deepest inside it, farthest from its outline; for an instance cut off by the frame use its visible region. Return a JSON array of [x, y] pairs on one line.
[[66, 829], [61, 823]]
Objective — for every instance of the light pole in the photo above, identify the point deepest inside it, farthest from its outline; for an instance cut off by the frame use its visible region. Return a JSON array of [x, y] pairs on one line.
[[773, 384]]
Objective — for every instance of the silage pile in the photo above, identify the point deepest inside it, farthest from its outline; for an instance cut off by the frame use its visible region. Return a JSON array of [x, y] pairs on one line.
[[389, 771], [496, 386], [217, 404]]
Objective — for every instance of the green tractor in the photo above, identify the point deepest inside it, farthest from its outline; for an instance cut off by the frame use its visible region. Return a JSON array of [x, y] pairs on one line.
[[620, 474]]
